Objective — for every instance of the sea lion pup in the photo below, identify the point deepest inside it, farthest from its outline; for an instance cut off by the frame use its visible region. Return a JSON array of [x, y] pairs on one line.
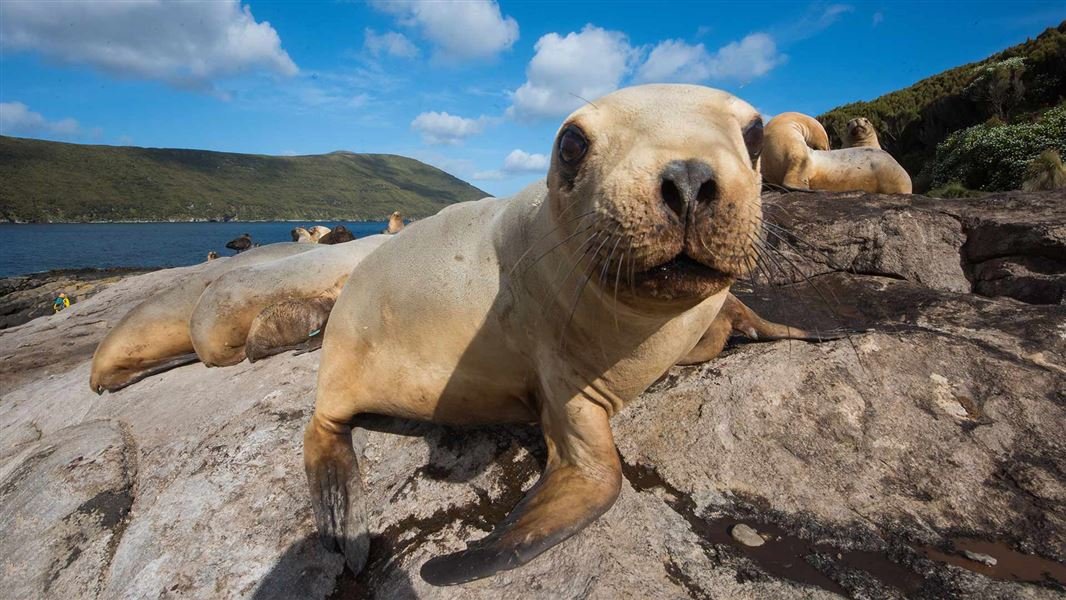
[[212, 255], [221, 323], [301, 236], [794, 158], [557, 306], [861, 133], [240, 243], [338, 235], [395, 223], [154, 336], [318, 232]]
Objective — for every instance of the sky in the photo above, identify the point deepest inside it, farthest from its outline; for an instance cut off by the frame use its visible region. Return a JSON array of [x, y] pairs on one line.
[[477, 88]]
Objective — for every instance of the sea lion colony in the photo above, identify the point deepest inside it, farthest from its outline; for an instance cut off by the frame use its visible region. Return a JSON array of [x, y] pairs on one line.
[[558, 305]]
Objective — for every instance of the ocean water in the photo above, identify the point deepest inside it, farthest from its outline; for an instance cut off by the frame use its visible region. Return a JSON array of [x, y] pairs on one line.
[[34, 248]]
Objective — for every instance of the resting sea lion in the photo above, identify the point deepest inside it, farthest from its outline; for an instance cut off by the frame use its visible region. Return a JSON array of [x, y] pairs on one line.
[[240, 243], [154, 336], [317, 232], [301, 236], [339, 235], [794, 157], [861, 133], [224, 314], [212, 255], [558, 305], [395, 223]]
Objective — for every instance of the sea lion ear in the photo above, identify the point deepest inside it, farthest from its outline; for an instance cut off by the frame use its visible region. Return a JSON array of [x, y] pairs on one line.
[[753, 138]]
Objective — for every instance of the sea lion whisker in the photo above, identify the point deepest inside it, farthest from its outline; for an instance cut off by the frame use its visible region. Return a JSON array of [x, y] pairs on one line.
[[581, 288], [545, 236], [556, 283], [556, 246]]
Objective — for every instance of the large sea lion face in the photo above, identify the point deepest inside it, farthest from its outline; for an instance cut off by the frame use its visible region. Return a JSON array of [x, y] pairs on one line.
[[661, 182]]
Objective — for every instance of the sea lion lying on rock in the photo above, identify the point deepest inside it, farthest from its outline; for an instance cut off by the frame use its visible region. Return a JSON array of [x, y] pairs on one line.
[[301, 236], [793, 157], [558, 305], [860, 132], [395, 223], [318, 232], [154, 336], [338, 235], [273, 306]]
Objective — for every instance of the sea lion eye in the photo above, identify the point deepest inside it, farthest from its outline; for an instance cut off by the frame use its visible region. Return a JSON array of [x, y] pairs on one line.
[[753, 138], [572, 145]]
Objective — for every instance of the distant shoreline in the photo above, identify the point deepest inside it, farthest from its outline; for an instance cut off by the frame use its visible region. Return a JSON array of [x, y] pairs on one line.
[[141, 222]]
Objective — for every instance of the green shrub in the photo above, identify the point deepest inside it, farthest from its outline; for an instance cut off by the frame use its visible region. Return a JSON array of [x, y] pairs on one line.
[[954, 189], [1045, 172], [996, 158]]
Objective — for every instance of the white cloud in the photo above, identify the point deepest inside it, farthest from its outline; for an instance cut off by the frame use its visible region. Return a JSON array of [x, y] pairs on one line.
[[17, 119], [391, 43], [519, 161], [676, 61], [189, 45], [816, 20], [443, 128], [566, 69], [471, 29]]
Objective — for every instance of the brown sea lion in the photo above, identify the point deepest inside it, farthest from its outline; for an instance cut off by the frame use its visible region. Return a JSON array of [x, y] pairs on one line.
[[861, 133], [557, 306], [318, 232], [301, 236], [338, 235], [212, 255]]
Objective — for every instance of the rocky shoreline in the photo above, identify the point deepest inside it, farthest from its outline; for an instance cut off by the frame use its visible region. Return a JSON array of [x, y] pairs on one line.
[[27, 297], [868, 466]]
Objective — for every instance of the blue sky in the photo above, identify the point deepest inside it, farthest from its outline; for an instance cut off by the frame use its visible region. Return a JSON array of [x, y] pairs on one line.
[[477, 88]]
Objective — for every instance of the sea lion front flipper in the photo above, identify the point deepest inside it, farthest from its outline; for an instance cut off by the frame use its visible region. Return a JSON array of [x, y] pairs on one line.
[[580, 482], [289, 325]]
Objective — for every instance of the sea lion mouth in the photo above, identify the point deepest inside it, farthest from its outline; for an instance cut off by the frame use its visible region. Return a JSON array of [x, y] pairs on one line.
[[682, 277], [684, 265]]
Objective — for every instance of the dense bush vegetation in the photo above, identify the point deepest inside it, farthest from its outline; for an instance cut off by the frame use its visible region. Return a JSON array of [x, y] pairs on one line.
[[1013, 86], [1045, 172], [989, 157]]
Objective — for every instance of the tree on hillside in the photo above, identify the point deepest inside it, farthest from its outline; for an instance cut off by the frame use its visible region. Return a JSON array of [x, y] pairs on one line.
[[999, 85]]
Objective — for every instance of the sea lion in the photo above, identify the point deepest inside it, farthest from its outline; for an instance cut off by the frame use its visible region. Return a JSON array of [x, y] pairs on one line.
[[794, 157], [240, 243], [338, 235], [212, 255], [318, 232], [301, 236], [222, 320], [860, 132], [154, 336], [395, 223], [557, 306]]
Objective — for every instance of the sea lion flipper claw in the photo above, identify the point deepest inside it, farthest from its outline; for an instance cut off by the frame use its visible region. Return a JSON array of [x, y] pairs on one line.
[[581, 482], [337, 496]]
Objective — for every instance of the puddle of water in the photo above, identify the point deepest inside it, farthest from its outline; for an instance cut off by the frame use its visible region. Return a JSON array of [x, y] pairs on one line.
[[1011, 565]]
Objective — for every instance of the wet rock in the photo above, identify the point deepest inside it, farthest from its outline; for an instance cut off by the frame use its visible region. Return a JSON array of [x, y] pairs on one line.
[[746, 535]]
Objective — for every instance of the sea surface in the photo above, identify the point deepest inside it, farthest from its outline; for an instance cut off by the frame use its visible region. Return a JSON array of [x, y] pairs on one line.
[[33, 248]]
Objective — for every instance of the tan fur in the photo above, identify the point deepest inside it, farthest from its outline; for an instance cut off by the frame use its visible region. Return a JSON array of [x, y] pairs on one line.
[[558, 305], [154, 336], [861, 133], [395, 223], [318, 232], [790, 159], [301, 236], [212, 255], [219, 325]]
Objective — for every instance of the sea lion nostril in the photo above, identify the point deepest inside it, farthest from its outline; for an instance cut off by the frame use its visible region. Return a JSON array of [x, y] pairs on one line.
[[708, 192], [672, 197]]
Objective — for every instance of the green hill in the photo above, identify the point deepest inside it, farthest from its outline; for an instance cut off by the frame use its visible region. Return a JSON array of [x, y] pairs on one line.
[[1015, 86], [51, 181]]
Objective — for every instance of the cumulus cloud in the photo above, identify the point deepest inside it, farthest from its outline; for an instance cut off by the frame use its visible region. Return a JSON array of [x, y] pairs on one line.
[[185, 44], [518, 162], [17, 119], [390, 43], [565, 69], [474, 29], [744, 60], [443, 128]]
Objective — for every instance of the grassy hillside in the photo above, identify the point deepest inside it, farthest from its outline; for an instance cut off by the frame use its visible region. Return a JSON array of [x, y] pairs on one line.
[[1015, 86], [51, 181]]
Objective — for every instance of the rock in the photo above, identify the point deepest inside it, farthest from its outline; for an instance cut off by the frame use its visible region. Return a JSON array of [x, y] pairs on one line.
[[981, 558], [26, 297], [746, 535], [940, 417]]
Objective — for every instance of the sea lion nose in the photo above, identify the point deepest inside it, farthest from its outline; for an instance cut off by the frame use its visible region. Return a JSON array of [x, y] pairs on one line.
[[686, 183]]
